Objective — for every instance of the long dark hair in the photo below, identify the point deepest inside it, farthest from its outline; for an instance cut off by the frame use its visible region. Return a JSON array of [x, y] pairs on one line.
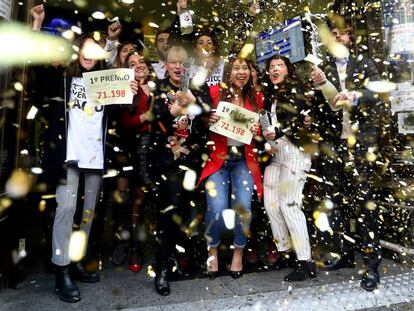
[[147, 61], [75, 69], [248, 90], [281, 91], [117, 62], [216, 44]]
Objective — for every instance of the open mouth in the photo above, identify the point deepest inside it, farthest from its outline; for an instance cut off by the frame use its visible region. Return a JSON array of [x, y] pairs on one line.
[[205, 51]]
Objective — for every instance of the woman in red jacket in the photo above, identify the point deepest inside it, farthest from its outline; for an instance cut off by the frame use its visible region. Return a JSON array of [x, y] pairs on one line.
[[232, 170]]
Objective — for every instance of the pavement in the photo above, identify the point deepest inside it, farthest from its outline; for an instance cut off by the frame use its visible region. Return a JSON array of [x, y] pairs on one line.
[[121, 289]]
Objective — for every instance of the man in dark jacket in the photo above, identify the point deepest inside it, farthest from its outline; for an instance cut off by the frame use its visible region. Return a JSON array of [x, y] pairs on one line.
[[349, 134]]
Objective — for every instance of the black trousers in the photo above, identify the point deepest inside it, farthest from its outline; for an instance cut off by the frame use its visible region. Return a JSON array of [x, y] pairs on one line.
[[348, 177], [174, 207]]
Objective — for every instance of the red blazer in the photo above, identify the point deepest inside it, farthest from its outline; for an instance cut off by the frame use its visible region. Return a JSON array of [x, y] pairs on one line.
[[218, 151]]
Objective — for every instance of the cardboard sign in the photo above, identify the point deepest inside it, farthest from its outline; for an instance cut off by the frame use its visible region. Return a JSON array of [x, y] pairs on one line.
[[235, 122], [109, 87]]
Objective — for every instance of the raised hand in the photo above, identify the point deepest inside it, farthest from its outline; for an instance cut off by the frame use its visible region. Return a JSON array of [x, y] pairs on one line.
[[181, 4], [38, 14], [114, 30]]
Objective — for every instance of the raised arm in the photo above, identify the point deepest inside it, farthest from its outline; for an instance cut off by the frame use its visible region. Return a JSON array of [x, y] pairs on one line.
[[111, 45], [38, 14], [245, 28]]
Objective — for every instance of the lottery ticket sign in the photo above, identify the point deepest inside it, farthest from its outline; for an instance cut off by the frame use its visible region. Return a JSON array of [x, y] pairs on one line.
[[109, 87], [235, 122]]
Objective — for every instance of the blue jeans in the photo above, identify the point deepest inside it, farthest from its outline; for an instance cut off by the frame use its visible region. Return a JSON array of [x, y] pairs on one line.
[[235, 174]]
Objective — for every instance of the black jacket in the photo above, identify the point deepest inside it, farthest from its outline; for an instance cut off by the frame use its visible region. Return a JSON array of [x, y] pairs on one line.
[[163, 128], [330, 122], [291, 109]]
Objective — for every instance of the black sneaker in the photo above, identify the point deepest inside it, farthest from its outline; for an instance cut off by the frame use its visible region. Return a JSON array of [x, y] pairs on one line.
[[304, 270], [339, 263], [370, 280], [162, 284]]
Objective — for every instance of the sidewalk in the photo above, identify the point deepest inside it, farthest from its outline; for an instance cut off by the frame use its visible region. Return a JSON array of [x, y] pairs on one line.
[[121, 289]]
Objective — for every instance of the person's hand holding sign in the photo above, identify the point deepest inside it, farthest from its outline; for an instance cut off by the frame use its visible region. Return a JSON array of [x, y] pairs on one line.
[[134, 87], [255, 128], [214, 118]]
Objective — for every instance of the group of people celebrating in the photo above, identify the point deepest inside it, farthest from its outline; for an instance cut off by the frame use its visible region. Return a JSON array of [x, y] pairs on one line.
[[167, 135]]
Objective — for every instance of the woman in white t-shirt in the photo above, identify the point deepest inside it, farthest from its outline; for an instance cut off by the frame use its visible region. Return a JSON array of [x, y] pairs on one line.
[[76, 142], [208, 62]]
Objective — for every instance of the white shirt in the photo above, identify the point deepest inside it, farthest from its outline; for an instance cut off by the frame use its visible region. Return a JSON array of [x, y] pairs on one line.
[[112, 48], [84, 142], [215, 77], [159, 69]]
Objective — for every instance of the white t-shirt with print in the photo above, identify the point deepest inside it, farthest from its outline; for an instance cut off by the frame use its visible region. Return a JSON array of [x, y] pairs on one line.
[[84, 142]]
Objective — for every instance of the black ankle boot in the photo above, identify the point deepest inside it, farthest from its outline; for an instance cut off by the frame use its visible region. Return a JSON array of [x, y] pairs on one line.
[[345, 261], [65, 289], [370, 280], [304, 270], [162, 284], [80, 274], [286, 260]]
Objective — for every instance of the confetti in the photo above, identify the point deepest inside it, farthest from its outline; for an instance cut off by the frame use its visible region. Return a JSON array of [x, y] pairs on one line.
[[19, 183], [77, 245], [39, 48], [190, 179], [229, 218]]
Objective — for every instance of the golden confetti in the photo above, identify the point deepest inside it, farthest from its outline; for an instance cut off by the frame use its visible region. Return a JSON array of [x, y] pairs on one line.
[[42, 206], [370, 205], [351, 140], [32, 113], [246, 50], [321, 221], [200, 77], [93, 50], [19, 183], [380, 86], [38, 48], [229, 218], [335, 48], [151, 272], [190, 179], [77, 245], [98, 15]]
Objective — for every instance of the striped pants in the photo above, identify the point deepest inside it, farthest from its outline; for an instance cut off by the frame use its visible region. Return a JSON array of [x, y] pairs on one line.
[[284, 180], [66, 197]]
